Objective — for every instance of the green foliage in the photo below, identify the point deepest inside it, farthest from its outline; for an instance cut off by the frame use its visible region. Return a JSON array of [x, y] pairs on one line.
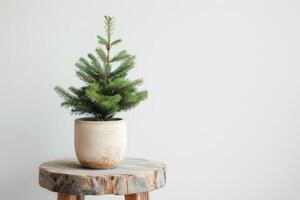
[[107, 91]]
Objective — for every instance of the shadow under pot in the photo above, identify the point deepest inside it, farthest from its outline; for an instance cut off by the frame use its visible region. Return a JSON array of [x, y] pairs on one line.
[[100, 144]]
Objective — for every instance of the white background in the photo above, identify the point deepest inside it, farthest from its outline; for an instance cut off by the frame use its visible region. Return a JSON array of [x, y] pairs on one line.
[[223, 79]]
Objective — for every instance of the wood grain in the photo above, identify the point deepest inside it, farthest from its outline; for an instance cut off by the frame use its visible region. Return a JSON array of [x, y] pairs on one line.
[[132, 176], [61, 196], [138, 196]]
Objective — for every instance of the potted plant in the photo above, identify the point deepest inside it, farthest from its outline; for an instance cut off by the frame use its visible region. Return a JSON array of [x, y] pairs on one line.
[[100, 138]]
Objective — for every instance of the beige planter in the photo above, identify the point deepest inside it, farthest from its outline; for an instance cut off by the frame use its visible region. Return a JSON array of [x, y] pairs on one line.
[[100, 144]]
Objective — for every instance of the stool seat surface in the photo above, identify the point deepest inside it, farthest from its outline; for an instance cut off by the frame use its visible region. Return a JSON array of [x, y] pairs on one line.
[[134, 175]]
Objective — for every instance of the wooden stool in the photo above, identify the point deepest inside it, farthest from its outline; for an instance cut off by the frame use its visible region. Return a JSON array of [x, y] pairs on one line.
[[134, 178]]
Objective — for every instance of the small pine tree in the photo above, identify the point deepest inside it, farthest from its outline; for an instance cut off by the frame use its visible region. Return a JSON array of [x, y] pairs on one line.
[[107, 91]]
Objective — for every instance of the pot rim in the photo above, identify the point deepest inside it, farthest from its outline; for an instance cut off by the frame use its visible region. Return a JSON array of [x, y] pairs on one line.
[[86, 120]]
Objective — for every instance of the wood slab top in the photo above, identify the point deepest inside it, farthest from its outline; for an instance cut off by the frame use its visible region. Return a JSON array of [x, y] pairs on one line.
[[134, 175]]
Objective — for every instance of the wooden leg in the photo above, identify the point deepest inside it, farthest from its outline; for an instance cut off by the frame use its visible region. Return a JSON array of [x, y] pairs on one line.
[[61, 196], [138, 196]]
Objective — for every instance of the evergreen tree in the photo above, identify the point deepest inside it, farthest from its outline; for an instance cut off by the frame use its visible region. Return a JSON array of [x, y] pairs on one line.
[[106, 90]]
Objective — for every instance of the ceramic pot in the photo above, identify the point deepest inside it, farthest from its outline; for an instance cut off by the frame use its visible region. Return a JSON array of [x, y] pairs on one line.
[[100, 144]]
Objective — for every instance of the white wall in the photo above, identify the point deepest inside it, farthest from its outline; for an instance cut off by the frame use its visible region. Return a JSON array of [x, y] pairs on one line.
[[223, 78]]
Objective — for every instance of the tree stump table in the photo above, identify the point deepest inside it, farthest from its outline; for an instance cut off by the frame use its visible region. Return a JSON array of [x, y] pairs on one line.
[[134, 179]]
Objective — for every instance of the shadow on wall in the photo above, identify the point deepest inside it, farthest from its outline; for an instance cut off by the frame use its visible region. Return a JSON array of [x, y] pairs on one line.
[[24, 147], [21, 154]]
